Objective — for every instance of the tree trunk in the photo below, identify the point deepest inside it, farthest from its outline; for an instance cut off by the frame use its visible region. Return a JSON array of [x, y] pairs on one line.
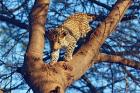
[[45, 78], [1, 91]]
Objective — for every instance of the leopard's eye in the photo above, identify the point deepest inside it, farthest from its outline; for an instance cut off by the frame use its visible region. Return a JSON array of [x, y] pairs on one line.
[[63, 34]]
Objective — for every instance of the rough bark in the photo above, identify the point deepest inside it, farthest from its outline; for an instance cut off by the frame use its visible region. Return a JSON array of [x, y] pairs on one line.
[[45, 78], [1, 91]]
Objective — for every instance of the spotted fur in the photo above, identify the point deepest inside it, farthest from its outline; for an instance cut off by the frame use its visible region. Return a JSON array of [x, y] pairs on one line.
[[67, 34]]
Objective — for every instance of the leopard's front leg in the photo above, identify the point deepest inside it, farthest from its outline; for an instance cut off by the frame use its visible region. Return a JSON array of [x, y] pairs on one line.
[[69, 51], [54, 56]]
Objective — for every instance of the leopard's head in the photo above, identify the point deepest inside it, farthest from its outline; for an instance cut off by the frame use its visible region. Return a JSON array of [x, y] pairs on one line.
[[55, 37]]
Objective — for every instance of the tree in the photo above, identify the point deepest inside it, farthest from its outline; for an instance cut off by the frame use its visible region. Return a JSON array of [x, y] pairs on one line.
[[45, 78]]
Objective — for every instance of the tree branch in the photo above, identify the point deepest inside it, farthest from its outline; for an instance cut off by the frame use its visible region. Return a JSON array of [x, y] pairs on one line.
[[101, 18], [83, 59], [37, 30], [89, 84], [117, 59], [101, 4], [14, 22], [1, 91], [45, 78], [129, 74]]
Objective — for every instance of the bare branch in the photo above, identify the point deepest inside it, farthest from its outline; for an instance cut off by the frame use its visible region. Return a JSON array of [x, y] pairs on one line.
[[129, 74], [89, 84], [14, 22], [101, 4], [117, 59]]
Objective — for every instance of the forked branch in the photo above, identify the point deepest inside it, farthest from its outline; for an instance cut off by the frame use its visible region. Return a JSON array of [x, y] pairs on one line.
[[45, 78]]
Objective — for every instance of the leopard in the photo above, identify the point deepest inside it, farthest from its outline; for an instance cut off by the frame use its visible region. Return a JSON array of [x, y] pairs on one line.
[[66, 35]]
